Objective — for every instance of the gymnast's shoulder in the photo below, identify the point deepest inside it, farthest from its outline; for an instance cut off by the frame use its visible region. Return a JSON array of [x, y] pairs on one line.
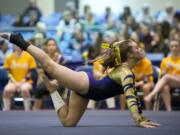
[[120, 73]]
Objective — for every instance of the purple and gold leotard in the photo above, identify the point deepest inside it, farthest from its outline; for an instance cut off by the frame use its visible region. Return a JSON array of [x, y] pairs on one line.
[[120, 80], [102, 89]]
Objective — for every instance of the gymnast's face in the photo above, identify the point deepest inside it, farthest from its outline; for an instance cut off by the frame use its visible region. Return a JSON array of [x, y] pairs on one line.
[[137, 52]]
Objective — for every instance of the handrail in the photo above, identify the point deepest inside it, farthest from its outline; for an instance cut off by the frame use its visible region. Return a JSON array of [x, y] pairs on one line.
[[49, 28], [23, 29]]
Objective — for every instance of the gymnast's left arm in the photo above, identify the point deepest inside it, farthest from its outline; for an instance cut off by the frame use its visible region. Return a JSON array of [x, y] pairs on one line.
[[127, 81]]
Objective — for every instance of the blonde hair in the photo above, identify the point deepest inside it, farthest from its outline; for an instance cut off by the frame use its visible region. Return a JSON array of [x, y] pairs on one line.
[[116, 53]]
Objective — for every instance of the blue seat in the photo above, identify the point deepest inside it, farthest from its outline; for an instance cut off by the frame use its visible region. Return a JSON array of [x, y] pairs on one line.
[[156, 73], [85, 68], [155, 58], [52, 20], [3, 81], [7, 20], [3, 78]]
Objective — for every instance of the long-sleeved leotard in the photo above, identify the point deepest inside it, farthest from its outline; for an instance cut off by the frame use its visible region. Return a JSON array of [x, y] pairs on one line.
[[119, 81]]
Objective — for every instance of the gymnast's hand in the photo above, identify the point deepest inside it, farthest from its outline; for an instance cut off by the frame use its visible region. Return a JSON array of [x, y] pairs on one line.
[[148, 124], [51, 85], [16, 39]]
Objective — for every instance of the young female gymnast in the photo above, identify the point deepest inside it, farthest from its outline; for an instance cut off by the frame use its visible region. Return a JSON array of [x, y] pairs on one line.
[[121, 55]]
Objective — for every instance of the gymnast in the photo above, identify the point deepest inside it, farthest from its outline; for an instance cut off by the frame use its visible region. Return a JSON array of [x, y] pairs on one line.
[[121, 56]]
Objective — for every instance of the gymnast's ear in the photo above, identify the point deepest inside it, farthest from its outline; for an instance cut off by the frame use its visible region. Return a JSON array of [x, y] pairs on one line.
[[130, 55]]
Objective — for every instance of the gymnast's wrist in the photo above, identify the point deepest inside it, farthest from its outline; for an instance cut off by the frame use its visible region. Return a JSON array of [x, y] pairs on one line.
[[52, 91], [57, 100], [137, 118]]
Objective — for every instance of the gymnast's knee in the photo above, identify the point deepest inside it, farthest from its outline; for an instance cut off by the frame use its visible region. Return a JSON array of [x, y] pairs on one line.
[[69, 123]]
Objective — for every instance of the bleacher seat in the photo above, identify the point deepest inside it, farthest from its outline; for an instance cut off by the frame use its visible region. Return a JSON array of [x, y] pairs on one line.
[[3, 78], [3, 81], [85, 68], [155, 58], [7, 20], [52, 20]]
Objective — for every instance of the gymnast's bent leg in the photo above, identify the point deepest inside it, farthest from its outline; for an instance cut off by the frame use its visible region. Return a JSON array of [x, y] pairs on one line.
[[70, 114]]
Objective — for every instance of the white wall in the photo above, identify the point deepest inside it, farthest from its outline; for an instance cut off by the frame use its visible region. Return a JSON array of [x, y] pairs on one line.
[[98, 6], [46, 6]]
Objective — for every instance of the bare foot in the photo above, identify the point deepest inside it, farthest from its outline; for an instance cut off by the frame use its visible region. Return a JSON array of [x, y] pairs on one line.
[[51, 85]]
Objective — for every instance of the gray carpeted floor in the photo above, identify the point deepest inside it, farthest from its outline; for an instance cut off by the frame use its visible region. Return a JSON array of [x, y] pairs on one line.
[[92, 123]]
